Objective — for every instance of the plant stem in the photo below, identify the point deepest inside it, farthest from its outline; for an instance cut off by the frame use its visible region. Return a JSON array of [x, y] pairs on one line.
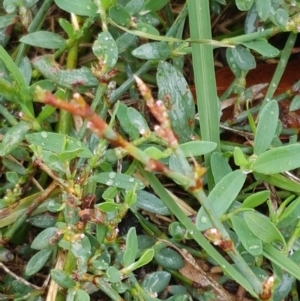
[[280, 67]]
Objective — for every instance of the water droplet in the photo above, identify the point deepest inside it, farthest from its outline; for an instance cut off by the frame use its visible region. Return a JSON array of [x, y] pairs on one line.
[[131, 180], [112, 175], [44, 134], [203, 219], [109, 182], [88, 7]]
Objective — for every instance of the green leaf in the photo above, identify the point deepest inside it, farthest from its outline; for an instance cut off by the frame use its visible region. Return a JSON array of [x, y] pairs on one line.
[[117, 180], [262, 47], [263, 8], [251, 243], [239, 158], [266, 128], [67, 27], [221, 197], [43, 239], [178, 100], [81, 295], [105, 48], [113, 274], [146, 257], [243, 58], [244, 5], [125, 41], [256, 199], [138, 121], [120, 15], [79, 79], [60, 144], [169, 259], [62, 278], [263, 228], [153, 51], [149, 202], [197, 148], [147, 28], [44, 39], [134, 6], [281, 260], [37, 261], [295, 103], [281, 16], [280, 181], [131, 247], [278, 159], [154, 5], [290, 214], [78, 7], [156, 282], [13, 137], [126, 122], [219, 166]]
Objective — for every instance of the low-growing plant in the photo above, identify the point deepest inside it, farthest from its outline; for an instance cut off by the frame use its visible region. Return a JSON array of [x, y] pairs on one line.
[[78, 162]]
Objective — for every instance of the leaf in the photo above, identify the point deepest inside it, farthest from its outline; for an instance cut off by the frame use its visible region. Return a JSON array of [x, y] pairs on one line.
[[60, 144], [266, 128], [105, 48], [147, 28], [67, 27], [117, 180], [281, 260], [44, 39], [13, 137], [78, 7], [244, 5], [125, 41], [263, 228], [262, 47], [178, 100], [149, 202], [263, 8], [113, 274], [295, 103], [197, 148], [281, 16], [251, 243], [37, 261], [156, 282], [134, 6], [154, 5], [219, 166], [120, 15], [221, 197], [278, 159], [62, 278], [131, 247], [81, 295], [153, 51], [125, 122], [45, 239], [138, 121], [256, 199], [79, 79], [290, 214], [169, 259], [243, 58]]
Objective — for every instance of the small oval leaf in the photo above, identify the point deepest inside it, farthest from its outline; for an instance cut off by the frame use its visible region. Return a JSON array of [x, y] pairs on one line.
[[221, 197], [37, 261], [263, 228]]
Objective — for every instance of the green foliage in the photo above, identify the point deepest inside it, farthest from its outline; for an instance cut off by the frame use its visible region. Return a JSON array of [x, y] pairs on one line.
[[82, 174]]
